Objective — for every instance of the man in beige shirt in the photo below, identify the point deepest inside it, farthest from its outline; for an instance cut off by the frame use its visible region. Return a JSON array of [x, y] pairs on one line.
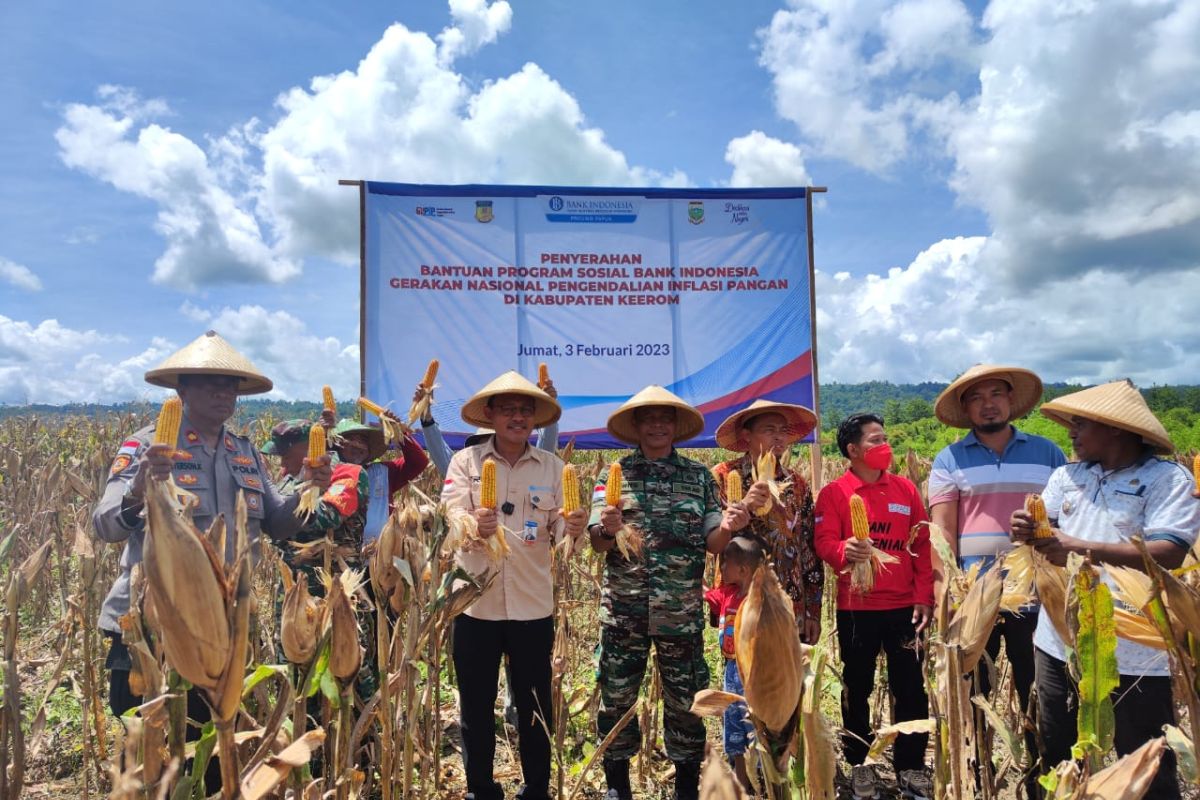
[[514, 616]]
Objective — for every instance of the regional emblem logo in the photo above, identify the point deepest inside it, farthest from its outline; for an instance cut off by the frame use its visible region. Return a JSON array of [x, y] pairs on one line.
[[696, 211], [483, 211]]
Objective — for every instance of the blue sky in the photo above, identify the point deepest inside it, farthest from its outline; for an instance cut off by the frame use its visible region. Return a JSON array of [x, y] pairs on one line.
[[1011, 181]]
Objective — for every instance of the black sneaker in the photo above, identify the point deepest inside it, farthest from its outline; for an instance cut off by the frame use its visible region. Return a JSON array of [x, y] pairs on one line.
[[864, 783], [915, 783]]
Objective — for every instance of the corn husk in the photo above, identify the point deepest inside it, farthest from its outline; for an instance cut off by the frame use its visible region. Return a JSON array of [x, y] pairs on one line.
[[302, 620], [630, 542], [464, 532], [274, 770], [345, 654], [1128, 778], [769, 654], [975, 618]]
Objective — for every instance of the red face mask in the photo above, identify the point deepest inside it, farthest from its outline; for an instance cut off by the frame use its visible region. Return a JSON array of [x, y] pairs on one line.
[[879, 457]]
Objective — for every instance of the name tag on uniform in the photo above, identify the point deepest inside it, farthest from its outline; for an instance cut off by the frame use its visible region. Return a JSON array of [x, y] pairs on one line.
[[687, 488], [899, 508]]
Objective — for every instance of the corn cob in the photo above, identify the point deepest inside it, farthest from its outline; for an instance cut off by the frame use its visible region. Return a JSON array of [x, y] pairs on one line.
[[431, 372], [166, 430], [858, 518], [487, 484], [570, 489], [733, 487], [373, 408], [1196, 470], [612, 489], [766, 472], [327, 396], [1036, 508], [543, 375], [316, 443]]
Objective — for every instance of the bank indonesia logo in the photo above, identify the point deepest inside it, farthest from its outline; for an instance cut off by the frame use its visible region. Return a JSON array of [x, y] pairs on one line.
[[483, 210], [696, 212], [556, 203]]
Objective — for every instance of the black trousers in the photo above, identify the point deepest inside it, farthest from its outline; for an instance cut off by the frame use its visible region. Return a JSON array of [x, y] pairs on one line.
[[861, 635], [1141, 705], [478, 648], [1016, 631]]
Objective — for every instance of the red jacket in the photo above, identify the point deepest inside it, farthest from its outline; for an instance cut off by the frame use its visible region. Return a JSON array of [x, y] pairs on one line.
[[893, 507], [406, 468]]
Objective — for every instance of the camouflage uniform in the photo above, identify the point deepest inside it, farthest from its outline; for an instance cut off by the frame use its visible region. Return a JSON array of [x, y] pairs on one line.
[[657, 599], [786, 535]]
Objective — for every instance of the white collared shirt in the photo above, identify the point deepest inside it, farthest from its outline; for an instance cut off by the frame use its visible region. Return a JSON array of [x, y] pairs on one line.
[[1152, 497]]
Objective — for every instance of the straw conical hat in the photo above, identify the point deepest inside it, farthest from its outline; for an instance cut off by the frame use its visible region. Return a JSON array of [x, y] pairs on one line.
[[546, 408], [690, 421], [376, 444], [1026, 389], [1117, 404], [478, 436], [209, 355], [731, 434]]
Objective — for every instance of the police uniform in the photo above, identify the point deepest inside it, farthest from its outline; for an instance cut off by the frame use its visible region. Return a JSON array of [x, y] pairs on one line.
[[659, 599]]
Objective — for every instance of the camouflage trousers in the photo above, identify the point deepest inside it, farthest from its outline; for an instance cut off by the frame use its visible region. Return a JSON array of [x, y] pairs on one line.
[[622, 657]]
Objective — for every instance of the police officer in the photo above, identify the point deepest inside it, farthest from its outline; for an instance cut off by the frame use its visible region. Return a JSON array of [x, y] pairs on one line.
[[209, 460], [657, 597]]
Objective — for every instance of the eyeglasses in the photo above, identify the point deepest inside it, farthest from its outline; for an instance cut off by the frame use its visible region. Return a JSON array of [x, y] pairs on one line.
[[513, 409]]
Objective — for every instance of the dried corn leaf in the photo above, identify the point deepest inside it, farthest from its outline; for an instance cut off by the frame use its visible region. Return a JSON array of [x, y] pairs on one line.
[[888, 733], [973, 621], [1128, 778], [713, 702], [717, 782], [265, 776], [768, 651]]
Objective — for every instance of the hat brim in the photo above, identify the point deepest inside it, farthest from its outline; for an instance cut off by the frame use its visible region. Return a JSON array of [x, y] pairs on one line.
[[248, 382], [1063, 417], [689, 423], [545, 411], [1026, 389], [376, 444], [731, 434]]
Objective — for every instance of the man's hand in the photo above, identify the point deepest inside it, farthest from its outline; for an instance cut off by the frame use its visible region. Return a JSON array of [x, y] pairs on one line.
[[811, 630], [575, 522], [611, 520], [757, 497], [922, 616], [857, 550], [328, 419], [418, 393], [548, 388], [155, 462], [735, 518], [1057, 547], [318, 472], [1021, 526], [488, 524]]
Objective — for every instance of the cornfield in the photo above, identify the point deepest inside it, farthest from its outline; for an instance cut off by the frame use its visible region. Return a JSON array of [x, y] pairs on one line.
[[293, 719]]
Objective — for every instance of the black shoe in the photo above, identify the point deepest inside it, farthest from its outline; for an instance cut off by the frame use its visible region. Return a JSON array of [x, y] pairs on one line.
[[915, 783], [687, 780], [616, 777], [864, 783]]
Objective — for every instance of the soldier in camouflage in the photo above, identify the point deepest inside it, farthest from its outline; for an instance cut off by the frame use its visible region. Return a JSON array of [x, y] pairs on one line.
[[658, 597]]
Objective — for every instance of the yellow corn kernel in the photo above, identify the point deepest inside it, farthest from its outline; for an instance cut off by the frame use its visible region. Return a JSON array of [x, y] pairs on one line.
[[1196, 470], [733, 487], [316, 443], [612, 489], [373, 408], [543, 375], [430, 375], [166, 430], [1036, 508], [487, 484], [858, 518], [327, 396], [570, 489]]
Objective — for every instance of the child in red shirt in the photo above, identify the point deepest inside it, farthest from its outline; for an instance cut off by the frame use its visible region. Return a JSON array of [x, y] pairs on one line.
[[741, 557], [892, 615]]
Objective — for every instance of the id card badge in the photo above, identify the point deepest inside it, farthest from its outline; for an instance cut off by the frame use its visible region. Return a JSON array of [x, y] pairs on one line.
[[530, 534]]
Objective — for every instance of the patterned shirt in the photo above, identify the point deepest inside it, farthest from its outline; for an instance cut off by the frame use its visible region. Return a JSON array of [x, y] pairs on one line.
[[673, 501], [786, 534], [1152, 497], [989, 487]]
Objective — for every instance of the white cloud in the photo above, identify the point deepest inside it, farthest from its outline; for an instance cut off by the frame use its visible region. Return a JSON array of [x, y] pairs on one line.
[[761, 160], [19, 275], [253, 203], [945, 312], [856, 77], [38, 363]]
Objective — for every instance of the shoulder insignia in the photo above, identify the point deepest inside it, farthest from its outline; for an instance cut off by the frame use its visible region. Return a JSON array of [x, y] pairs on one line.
[[253, 502], [121, 463], [191, 437], [129, 447], [245, 460], [183, 455], [186, 479], [229, 442], [253, 483]]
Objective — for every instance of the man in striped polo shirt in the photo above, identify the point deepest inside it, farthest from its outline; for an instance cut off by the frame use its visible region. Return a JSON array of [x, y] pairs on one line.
[[976, 484]]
